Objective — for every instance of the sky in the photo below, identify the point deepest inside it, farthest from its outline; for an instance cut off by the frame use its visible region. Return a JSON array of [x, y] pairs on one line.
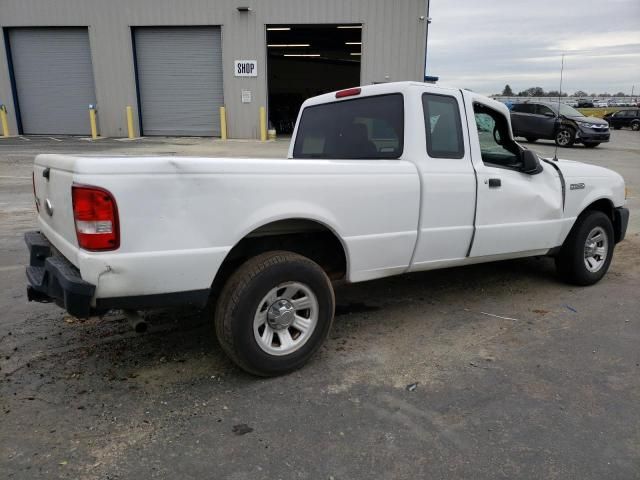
[[484, 44]]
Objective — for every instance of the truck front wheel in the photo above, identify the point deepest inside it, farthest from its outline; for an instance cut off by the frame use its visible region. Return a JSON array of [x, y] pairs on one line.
[[274, 313], [586, 253]]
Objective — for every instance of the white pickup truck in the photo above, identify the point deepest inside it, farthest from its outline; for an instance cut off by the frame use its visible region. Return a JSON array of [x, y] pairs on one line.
[[380, 180]]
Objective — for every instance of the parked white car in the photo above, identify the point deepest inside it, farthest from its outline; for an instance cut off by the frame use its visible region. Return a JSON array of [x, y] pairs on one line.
[[380, 180], [600, 104]]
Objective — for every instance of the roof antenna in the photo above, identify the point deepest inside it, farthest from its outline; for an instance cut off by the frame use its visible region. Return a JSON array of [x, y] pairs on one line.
[[555, 153]]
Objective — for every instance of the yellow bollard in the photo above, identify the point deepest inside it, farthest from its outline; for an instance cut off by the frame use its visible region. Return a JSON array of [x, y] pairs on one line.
[[223, 123], [92, 121], [3, 119], [263, 124], [130, 122]]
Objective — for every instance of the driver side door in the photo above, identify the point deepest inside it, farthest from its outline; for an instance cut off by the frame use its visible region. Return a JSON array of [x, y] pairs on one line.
[[545, 121], [515, 212]]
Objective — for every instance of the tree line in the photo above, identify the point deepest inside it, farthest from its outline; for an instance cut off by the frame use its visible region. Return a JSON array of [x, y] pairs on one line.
[[540, 92]]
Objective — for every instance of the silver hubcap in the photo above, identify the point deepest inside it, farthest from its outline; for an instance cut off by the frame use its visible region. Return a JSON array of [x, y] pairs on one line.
[[595, 249], [563, 137], [286, 318]]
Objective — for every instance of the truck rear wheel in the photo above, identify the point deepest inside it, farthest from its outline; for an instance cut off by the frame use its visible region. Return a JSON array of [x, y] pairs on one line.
[[274, 313], [586, 253]]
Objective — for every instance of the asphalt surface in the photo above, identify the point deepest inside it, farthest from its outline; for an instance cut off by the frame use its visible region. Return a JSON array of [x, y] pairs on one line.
[[516, 375]]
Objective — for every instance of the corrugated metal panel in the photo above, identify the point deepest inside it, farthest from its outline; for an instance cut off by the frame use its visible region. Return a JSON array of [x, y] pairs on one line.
[[393, 42], [54, 79], [180, 80]]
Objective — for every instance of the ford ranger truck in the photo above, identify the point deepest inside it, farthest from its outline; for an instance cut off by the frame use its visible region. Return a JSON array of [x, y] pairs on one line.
[[380, 180]]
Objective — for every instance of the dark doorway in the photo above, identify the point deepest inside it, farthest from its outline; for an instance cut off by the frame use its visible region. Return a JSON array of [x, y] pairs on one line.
[[308, 60]]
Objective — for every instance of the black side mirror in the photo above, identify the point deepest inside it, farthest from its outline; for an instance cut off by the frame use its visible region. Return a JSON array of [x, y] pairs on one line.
[[530, 162], [496, 135]]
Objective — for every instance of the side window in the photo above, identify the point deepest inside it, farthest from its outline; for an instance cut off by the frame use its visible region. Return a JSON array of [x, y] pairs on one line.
[[523, 108], [544, 110], [496, 146], [360, 128], [443, 126]]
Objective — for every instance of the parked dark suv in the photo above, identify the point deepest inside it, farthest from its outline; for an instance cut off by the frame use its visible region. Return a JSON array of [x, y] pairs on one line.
[[624, 118], [584, 103], [564, 124]]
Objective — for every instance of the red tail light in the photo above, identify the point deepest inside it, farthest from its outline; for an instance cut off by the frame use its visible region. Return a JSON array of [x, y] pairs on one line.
[[96, 216], [35, 197], [350, 92]]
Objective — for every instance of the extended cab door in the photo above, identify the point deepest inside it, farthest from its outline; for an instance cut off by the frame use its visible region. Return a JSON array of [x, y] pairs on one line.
[[517, 212], [446, 176]]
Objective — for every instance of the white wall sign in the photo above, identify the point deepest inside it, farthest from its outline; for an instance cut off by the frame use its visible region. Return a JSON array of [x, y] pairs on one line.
[[246, 96], [245, 68]]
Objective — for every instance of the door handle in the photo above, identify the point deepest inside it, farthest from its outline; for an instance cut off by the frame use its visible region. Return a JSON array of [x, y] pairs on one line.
[[495, 183]]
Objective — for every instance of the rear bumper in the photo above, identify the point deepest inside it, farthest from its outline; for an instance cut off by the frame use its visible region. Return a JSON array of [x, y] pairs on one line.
[[52, 278], [620, 223]]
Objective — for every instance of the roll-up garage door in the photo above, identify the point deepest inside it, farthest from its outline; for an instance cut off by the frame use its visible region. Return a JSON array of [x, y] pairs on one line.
[[179, 73], [53, 78]]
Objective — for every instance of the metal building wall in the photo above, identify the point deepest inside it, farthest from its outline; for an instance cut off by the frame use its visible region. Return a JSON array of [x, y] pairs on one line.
[[393, 39]]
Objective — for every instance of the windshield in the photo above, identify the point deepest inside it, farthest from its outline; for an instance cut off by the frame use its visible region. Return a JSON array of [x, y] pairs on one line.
[[568, 111]]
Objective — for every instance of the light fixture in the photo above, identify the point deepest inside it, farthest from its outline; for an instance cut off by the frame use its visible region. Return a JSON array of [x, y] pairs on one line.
[[287, 45], [353, 43], [243, 9], [280, 29], [301, 54], [349, 26], [356, 54]]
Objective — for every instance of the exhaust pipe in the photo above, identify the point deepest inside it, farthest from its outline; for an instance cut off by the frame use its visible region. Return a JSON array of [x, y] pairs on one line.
[[137, 321]]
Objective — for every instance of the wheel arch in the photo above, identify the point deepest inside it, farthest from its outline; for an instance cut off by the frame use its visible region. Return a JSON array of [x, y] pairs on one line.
[[304, 235], [604, 205]]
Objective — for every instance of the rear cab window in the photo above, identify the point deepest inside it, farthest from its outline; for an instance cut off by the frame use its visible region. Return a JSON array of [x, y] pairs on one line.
[[360, 128]]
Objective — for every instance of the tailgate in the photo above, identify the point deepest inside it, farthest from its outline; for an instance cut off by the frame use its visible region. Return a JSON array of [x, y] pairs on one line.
[[53, 177]]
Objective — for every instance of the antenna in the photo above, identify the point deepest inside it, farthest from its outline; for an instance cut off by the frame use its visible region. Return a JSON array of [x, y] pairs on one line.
[[555, 153]]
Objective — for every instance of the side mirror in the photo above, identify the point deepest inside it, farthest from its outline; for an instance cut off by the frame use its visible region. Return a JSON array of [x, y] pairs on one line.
[[530, 162], [496, 135]]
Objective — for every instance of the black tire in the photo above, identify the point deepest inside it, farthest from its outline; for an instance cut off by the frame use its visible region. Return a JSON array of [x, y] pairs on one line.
[[570, 262], [591, 144], [532, 139], [565, 137], [240, 300], [616, 127], [635, 125]]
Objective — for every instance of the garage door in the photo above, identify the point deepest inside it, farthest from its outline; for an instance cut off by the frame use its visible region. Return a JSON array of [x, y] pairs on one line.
[[179, 71], [54, 79]]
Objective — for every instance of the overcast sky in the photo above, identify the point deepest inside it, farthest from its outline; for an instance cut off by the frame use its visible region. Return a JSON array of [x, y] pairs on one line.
[[484, 44]]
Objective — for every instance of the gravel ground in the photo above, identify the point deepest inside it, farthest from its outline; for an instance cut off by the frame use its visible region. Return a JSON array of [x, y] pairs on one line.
[[552, 391]]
